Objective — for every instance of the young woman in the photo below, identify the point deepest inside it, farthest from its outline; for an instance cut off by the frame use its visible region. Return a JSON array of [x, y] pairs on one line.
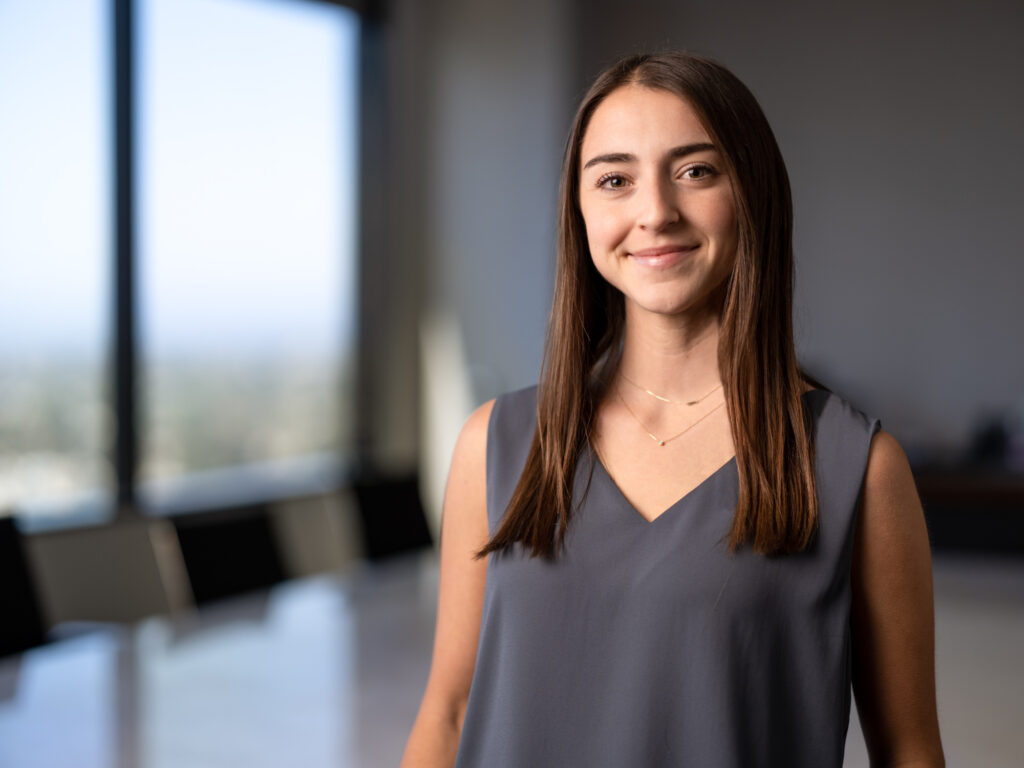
[[677, 549]]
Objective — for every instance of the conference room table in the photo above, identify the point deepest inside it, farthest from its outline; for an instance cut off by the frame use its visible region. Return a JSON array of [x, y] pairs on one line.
[[329, 671], [322, 671]]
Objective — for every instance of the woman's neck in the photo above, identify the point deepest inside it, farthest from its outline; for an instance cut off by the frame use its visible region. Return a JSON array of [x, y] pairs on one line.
[[677, 358]]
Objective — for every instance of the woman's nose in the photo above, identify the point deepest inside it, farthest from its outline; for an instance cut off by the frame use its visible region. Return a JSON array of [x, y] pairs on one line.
[[657, 206]]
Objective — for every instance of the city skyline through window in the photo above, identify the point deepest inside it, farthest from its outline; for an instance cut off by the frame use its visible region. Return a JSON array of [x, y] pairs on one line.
[[55, 255], [247, 171], [245, 118]]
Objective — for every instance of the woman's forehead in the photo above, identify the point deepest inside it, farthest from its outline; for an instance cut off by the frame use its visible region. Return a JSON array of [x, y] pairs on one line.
[[635, 118]]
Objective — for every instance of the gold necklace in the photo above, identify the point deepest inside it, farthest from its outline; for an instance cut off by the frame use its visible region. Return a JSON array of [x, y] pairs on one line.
[[668, 439], [665, 399]]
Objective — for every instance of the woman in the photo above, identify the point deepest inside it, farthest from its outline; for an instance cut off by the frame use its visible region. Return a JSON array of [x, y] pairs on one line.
[[677, 549]]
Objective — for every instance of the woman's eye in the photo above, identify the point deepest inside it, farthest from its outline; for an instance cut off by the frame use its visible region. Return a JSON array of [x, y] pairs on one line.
[[612, 181], [698, 171]]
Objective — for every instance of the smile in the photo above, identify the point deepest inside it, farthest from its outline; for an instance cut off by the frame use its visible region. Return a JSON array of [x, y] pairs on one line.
[[663, 257]]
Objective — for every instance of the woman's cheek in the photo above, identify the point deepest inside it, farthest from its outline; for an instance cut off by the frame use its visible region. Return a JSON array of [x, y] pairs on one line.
[[607, 238]]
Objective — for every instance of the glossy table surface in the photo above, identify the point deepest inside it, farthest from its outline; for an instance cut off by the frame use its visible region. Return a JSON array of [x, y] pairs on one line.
[[275, 679], [330, 671]]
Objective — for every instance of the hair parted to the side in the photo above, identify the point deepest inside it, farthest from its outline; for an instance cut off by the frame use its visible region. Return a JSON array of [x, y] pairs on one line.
[[777, 509]]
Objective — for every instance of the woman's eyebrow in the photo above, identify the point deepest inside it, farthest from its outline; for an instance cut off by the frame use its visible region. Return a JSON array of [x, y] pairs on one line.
[[625, 157]]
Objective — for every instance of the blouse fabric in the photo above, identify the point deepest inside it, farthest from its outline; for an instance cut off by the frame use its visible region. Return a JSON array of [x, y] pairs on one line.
[[644, 643]]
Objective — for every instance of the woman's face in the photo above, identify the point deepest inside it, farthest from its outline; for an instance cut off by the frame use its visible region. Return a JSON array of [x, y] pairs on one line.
[[657, 202]]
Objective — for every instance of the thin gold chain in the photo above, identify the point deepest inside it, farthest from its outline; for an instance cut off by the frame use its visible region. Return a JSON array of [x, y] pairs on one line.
[[665, 399], [669, 439]]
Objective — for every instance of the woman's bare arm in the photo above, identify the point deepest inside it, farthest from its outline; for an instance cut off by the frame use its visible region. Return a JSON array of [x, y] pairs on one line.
[[892, 616], [434, 739]]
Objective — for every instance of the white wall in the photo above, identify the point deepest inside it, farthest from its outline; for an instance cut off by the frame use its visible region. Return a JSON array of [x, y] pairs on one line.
[[481, 108], [499, 112]]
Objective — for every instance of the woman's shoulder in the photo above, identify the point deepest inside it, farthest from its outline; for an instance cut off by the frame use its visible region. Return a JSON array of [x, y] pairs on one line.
[[507, 412], [845, 434], [515, 400], [516, 405], [835, 406], [521, 395]]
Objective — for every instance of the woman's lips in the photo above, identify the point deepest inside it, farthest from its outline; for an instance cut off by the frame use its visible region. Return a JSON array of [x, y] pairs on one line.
[[662, 257]]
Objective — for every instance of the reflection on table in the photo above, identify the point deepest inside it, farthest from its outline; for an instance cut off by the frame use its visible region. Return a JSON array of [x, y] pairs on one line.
[[270, 679]]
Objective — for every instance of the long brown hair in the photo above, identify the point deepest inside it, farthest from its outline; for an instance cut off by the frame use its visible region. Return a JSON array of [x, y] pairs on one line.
[[777, 510]]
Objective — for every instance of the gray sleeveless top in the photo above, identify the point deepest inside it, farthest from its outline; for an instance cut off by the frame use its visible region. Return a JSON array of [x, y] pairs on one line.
[[645, 644]]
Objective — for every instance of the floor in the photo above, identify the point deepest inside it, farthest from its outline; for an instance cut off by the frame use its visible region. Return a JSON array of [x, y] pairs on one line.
[[979, 620]]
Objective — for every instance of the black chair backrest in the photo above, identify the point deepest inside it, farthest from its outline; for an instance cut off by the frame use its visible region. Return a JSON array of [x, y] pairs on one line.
[[21, 620], [392, 516], [229, 552]]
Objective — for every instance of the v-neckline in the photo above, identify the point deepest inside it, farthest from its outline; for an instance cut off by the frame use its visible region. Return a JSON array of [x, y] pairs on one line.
[[678, 502]]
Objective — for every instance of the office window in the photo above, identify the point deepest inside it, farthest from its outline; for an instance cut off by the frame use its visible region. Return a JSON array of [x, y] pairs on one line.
[[55, 265], [246, 153]]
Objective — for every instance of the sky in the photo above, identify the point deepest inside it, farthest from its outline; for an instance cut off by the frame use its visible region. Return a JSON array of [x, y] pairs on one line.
[[246, 177]]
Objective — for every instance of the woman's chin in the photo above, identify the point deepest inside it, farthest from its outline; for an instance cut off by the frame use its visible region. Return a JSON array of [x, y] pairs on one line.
[[675, 306], [660, 302]]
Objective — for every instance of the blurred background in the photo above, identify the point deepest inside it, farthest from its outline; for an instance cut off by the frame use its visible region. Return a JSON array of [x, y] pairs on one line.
[[259, 260]]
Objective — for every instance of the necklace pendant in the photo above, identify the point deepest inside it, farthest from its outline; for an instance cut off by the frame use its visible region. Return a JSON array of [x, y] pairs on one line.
[[661, 442]]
